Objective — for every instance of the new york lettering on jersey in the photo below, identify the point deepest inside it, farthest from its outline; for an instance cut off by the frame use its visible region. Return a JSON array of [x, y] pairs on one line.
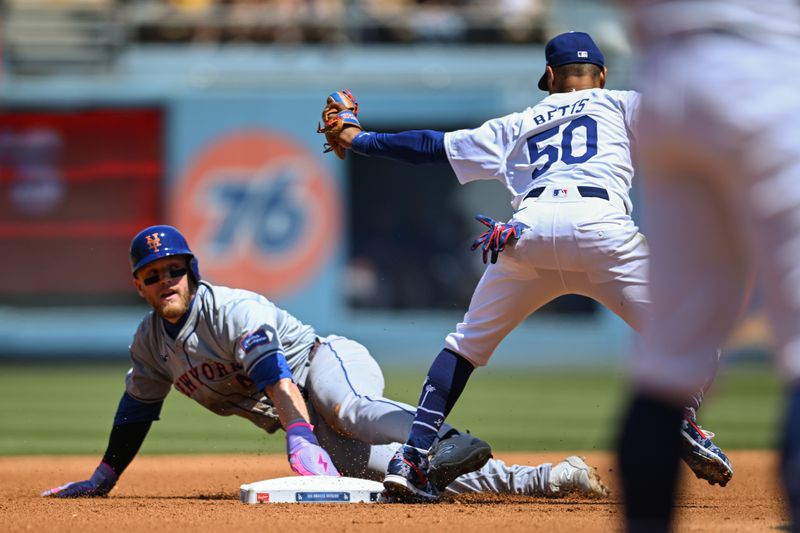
[[228, 330]]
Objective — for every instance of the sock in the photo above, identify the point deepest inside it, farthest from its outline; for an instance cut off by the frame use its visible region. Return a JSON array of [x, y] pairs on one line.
[[649, 453], [790, 456], [445, 382]]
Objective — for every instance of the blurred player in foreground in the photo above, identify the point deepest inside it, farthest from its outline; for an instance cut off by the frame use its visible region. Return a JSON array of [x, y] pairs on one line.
[[234, 352], [720, 139], [567, 161]]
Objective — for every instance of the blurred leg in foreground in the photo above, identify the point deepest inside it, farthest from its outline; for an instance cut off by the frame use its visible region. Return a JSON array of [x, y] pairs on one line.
[[721, 166]]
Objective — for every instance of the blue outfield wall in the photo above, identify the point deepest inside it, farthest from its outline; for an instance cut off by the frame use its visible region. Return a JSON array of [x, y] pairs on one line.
[[244, 170]]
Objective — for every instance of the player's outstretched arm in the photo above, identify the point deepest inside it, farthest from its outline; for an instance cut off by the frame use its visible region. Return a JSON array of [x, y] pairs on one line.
[[306, 456], [343, 131], [131, 425], [414, 146], [263, 357]]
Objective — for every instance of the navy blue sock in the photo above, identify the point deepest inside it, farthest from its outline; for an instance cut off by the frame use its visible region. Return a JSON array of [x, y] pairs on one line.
[[446, 380], [790, 457], [649, 453]]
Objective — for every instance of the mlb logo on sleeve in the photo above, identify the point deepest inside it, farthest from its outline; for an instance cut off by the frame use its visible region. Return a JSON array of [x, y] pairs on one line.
[[560, 193], [257, 338]]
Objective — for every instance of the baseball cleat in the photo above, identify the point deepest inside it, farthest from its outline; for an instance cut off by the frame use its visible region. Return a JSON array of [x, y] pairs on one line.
[[407, 477], [705, 458], [574, 476], [454, 455]]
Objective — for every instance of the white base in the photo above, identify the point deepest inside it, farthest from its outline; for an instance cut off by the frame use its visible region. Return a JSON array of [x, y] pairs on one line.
[[312, 489]]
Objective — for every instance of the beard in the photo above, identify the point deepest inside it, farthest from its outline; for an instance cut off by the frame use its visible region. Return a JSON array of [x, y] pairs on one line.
[[175, 308]]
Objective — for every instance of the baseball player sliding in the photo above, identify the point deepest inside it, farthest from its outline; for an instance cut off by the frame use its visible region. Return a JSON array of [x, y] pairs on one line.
[[567, 162], [236, 353]]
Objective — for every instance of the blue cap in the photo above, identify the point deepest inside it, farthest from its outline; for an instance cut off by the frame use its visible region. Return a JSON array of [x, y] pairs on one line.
[[572, 47]]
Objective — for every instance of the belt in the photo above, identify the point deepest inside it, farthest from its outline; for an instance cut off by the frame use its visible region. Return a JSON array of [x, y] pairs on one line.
[[313, 351], [584, 190]]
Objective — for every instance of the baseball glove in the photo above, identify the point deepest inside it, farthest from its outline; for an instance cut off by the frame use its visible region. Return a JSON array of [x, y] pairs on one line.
[[340, 112]]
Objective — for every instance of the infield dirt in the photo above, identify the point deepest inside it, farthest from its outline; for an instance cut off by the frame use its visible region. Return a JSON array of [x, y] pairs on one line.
[[200, 493]]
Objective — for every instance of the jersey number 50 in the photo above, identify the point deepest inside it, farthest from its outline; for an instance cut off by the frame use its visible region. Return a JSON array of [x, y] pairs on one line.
[[567, 157]]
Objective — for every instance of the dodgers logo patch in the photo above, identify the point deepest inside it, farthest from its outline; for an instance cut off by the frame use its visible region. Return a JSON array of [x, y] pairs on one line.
[[256, 338]]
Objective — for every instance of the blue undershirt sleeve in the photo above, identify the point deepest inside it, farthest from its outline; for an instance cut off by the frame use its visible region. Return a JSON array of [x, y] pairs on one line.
[[131, 410], [415, 146], [270, 370]]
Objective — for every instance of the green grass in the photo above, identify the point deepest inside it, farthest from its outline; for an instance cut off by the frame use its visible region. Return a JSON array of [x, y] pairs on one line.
[[68, 409], [580, 410]]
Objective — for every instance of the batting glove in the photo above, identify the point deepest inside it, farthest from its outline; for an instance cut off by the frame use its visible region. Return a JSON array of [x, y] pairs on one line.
[[100, 484], [306, 456], [494, 240]]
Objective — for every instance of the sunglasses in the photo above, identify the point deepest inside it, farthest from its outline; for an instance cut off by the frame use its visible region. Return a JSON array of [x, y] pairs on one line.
[[173, 273]]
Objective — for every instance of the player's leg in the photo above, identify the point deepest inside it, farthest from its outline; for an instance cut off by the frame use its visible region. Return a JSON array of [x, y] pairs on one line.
[[628, 296], [615, 273], [351, 457], [345, 386], [773, 230], [614, 270], [698, 275], [790, 454], [693, 313], [572, 476], [761, 149], [346, 389], [507, 293]]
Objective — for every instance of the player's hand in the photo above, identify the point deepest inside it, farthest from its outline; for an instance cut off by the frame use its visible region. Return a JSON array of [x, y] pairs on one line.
[[100, 484], [340, 113], [494, 239], [306, 456]]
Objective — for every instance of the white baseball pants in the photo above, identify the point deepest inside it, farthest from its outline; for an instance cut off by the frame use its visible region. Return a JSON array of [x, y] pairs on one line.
[[574, 245], [722, 195]]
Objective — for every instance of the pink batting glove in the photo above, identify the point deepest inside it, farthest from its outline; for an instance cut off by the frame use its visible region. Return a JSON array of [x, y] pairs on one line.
[[100, 484], [306, 456]]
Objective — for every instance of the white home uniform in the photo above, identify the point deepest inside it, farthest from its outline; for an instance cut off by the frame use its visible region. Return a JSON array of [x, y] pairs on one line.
[[720, 128], [228, 331], [567, 161]]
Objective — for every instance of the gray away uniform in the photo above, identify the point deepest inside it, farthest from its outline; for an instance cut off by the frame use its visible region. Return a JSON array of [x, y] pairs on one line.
[[219, 344]]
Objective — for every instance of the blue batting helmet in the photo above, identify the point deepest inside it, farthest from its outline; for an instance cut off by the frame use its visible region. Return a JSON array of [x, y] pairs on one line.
[[156, 242]]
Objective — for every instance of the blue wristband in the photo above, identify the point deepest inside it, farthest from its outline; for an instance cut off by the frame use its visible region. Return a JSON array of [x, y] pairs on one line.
[[270, 370]]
